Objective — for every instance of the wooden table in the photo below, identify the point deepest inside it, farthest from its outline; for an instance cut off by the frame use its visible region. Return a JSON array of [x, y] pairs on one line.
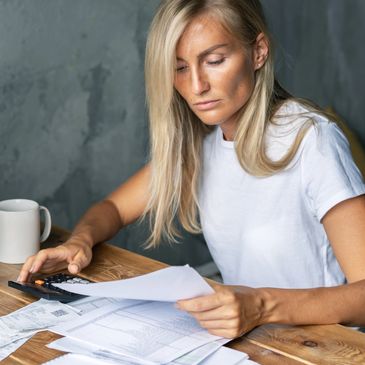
[[268, 345]]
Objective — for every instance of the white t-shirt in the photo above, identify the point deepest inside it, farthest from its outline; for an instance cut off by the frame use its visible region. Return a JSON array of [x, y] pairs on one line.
[[266, 232]]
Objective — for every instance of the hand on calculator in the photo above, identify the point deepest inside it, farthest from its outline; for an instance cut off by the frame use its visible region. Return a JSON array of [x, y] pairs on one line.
[[74, 255], [44, 288]]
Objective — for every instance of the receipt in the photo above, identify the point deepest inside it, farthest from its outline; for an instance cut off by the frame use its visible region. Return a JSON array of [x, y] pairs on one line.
[[32, 318], [5, 351]]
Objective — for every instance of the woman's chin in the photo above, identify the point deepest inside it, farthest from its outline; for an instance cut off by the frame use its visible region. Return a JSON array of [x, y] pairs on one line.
[[209, 122]]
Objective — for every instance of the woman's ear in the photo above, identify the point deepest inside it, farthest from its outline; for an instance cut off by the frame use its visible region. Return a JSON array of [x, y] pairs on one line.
[[260, 51]]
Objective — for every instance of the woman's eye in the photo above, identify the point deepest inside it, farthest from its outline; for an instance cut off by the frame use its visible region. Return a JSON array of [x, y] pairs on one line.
[[216, 62], [181, 68]]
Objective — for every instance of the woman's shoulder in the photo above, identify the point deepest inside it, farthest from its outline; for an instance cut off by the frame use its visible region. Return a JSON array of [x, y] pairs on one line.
[[295, 117], [296, 112], [322, 130]]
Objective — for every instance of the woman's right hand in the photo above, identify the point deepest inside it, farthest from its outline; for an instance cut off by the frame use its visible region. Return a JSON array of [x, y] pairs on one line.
[[74, 254]]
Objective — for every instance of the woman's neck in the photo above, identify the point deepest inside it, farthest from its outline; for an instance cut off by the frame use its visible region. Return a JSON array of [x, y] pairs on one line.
[[229, 130]]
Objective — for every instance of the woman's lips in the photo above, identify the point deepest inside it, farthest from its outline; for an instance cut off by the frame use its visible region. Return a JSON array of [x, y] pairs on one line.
[[206, 105]]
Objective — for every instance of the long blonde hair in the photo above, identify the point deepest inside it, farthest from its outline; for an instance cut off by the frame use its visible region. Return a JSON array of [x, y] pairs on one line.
[[176, 134]]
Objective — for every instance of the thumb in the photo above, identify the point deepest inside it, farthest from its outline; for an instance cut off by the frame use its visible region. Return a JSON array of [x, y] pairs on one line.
[[77, 262], [215, 286], [74, 267]]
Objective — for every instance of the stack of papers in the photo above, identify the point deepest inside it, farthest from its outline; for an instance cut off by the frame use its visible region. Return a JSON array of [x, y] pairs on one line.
[[143, 326], [222, 356], [128, 322], [17, 327], [100, 337]]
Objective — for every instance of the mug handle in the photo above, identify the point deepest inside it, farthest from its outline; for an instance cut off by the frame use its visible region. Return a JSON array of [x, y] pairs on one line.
[[47, 224]]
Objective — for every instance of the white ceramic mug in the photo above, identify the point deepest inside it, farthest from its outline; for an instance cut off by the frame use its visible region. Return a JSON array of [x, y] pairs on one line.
[[20, 235]]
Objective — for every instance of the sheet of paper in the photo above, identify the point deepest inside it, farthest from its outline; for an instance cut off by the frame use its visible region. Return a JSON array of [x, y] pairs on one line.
[[194, 357], [88, 304], [154, 331], [34, 317], [77, 359], [67, 344], [5, 351], [198, 355], [170, 284], [221, 356], [227, 356]]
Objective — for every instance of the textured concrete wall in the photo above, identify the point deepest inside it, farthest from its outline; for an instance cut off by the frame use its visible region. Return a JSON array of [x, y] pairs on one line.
[[320, 53], [72, 109], [72, 116]]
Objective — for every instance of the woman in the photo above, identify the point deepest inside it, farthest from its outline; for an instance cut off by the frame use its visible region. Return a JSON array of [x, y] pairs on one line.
[[280, 201]]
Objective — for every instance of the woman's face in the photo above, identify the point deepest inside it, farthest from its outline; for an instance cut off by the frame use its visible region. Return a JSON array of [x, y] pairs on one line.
[[215, 74]]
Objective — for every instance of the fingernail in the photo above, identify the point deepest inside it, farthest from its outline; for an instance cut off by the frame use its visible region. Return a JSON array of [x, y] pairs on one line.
[[18, 278], [74, 267], [32, 269]]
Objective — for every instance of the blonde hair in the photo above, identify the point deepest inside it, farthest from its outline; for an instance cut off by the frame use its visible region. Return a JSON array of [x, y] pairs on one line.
[[176, 134]]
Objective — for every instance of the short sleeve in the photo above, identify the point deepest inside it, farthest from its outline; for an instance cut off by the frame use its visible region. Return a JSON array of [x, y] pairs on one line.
[[329, 174]]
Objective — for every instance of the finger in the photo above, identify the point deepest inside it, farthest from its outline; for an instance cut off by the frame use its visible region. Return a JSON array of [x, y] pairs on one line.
[[199, 304], [230, 324], [216, 286], [78, 262], [73, 268], [52, 266], [57, 254], [226, 333], [25, 270], [222, 312]]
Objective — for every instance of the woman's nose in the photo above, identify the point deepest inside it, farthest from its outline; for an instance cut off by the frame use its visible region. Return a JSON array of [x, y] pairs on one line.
[[199, 82]]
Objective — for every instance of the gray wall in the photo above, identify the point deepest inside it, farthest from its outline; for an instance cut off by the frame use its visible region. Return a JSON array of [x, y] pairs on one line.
[[320, 53], [72, 113]]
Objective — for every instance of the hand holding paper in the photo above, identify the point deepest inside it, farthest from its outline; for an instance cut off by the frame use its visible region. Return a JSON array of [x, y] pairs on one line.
[[170, 285]]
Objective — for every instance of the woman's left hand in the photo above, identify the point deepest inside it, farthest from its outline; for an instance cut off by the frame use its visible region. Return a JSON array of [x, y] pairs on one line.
[[230, 312]]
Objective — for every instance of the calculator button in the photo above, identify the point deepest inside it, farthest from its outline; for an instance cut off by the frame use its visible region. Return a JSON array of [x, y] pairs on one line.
[[39, 282]]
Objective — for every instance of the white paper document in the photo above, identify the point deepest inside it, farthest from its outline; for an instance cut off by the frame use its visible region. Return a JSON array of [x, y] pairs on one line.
[[154, 331], [67, 344], [198, 355], [194, 357], [227, 356], [34, 317], [170, 284], [223, 356], [17, 327], [88, 304], [77, 359], [211, 353], [5, 351]]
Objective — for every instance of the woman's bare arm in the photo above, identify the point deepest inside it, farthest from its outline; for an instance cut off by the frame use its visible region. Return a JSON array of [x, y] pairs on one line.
[[234, 310], [100, 223]]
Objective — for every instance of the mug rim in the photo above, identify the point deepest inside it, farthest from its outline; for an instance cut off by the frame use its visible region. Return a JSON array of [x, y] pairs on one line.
[[34, 204]]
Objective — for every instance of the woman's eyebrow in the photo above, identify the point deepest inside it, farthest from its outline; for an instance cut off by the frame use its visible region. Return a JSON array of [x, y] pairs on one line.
[[207, 51]]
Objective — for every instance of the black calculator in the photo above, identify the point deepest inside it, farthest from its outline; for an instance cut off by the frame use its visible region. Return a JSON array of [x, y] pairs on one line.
[[44, 288]]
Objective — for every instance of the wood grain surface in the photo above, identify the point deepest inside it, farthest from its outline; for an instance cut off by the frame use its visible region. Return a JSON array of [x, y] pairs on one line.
[[324, 345], [268, 345]]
